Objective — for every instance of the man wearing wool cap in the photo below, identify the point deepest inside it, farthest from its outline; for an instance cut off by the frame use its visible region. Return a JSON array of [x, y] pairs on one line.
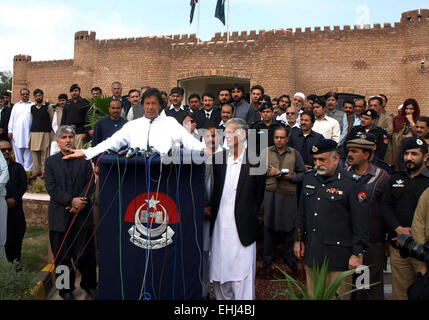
[[375, 180]]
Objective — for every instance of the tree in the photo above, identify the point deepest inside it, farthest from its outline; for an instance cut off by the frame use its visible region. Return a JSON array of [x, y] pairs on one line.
[[5, 81]]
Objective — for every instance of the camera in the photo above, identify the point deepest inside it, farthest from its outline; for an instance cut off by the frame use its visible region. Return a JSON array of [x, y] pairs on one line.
[[413, 249], [282, 173]]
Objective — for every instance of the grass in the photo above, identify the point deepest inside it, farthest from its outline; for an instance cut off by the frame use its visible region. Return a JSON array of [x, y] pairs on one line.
[[35, 248]]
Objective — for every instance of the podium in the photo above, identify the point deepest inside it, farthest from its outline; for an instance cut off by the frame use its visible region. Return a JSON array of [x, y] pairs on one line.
[[150, 228]]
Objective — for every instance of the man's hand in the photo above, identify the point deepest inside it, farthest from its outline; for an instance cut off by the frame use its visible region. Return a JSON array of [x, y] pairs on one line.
[[355, 262], [308, 167], [78, 203], [423, 269], [401, 230], [299, 249], [207, 212], [75, 154], [273, 172], [11, 202]]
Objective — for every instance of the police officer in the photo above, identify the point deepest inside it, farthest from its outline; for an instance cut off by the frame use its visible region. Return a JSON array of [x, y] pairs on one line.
[[375, 160], [375, 180], [332, 220], [399, 203], [368, 120], [266, 125]]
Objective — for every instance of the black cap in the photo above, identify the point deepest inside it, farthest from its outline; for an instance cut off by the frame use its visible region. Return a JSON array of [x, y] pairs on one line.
[[370, 113], [266, 105], [366, 136], [325, 145], [414, 143], [74, 86]]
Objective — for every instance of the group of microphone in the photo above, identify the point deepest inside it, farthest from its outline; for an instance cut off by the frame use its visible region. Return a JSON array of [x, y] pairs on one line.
[[132, 152]]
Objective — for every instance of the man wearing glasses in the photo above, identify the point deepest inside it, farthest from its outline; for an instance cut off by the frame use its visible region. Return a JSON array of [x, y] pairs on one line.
[[19, 130], [290, 118]]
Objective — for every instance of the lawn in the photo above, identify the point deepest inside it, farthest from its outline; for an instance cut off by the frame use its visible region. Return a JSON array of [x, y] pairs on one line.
[[35, 248]]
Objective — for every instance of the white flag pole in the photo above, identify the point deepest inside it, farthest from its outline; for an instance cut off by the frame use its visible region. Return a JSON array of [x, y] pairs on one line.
[[227, 22]]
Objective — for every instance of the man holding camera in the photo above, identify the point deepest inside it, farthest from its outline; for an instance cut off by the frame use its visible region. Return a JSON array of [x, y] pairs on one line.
[[399, 202], [285, 170]]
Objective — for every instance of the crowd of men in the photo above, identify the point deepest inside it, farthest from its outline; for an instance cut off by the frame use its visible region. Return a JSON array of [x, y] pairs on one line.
[[342, 182]]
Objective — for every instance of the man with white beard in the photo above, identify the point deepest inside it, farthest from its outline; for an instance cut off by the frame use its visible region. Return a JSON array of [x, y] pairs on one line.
[[332, 220]]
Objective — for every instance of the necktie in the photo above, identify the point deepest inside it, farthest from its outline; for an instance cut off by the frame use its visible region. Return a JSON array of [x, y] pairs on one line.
[[306, 151], [207, 116]]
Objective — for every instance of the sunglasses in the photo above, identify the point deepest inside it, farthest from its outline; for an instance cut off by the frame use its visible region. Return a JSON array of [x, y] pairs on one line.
[[290, 113], [6, 149]]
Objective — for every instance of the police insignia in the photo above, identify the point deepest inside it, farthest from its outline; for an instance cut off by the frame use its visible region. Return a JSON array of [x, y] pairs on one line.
[[419, 142], [362, 196], [314, 149]]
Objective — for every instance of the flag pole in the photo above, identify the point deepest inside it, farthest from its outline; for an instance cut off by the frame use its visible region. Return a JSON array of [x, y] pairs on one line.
[[198, 23], [227, 22]]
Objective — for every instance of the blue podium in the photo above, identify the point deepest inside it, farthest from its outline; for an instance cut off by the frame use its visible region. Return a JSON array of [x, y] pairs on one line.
[[150, 229]]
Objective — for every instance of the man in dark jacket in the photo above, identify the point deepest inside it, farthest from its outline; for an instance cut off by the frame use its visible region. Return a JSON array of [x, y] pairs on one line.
[[15, 189], [70, 187], [332, 219]]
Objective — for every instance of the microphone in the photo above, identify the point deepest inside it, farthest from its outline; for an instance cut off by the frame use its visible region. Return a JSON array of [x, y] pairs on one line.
[[122, 152], [132, 152]]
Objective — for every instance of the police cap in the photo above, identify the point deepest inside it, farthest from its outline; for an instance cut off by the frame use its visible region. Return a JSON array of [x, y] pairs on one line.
[[325, 145], [370, 113], [414, 143]]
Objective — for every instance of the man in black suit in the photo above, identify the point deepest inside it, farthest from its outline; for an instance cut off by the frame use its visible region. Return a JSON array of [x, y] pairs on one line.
[[238, 192], [15, 189], [68, 185], [209, 111], [333, 218], [4, 119]]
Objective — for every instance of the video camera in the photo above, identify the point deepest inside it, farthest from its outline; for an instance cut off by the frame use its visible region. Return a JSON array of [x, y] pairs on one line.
[[413, 249]]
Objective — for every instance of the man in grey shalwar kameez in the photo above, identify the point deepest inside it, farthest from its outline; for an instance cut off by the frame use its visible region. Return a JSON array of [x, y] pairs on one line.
[[4, 178], [280, 199]]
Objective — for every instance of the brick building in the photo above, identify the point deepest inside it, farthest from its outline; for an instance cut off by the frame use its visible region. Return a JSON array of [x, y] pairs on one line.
[[361, 61]]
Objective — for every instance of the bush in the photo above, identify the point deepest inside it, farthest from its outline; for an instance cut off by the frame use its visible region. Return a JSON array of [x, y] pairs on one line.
[[15, 283]]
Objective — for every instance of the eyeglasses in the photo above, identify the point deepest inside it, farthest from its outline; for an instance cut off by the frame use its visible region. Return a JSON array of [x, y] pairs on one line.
[[290, 113], [6, 149]]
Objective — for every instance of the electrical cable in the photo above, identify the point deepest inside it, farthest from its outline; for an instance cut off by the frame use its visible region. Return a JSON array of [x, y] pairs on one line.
[[120, 224], [195, 226], [77, 234], [71, 224]]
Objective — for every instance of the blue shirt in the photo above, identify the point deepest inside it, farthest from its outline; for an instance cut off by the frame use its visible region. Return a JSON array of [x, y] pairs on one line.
[[105, 128]]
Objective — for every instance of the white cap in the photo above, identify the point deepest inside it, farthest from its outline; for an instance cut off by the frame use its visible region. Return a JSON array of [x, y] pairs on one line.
[[300, 94]]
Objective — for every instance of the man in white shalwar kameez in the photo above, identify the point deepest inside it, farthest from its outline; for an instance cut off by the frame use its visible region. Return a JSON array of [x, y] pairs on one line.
[[233, 251], [4, 178], [19, 130]]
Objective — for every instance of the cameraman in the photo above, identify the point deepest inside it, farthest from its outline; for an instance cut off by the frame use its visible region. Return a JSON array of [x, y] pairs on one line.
[[420, 231]]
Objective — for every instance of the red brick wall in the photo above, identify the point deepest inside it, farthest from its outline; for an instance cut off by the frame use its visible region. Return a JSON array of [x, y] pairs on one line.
[[382, 59]]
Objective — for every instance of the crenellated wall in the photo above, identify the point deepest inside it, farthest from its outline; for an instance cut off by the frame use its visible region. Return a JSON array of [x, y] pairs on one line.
[[355, 59]]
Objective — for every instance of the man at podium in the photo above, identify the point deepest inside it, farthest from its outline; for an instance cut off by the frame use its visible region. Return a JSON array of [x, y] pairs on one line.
[[151, 131]]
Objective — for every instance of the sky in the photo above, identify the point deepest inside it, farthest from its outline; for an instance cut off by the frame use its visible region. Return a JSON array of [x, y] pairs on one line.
[[45, 29]]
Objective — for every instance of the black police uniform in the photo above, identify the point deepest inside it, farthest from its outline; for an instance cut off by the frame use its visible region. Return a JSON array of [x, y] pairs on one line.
[[261, 128], [401, 197], [333, 218], [381, 135], [380, 163]]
